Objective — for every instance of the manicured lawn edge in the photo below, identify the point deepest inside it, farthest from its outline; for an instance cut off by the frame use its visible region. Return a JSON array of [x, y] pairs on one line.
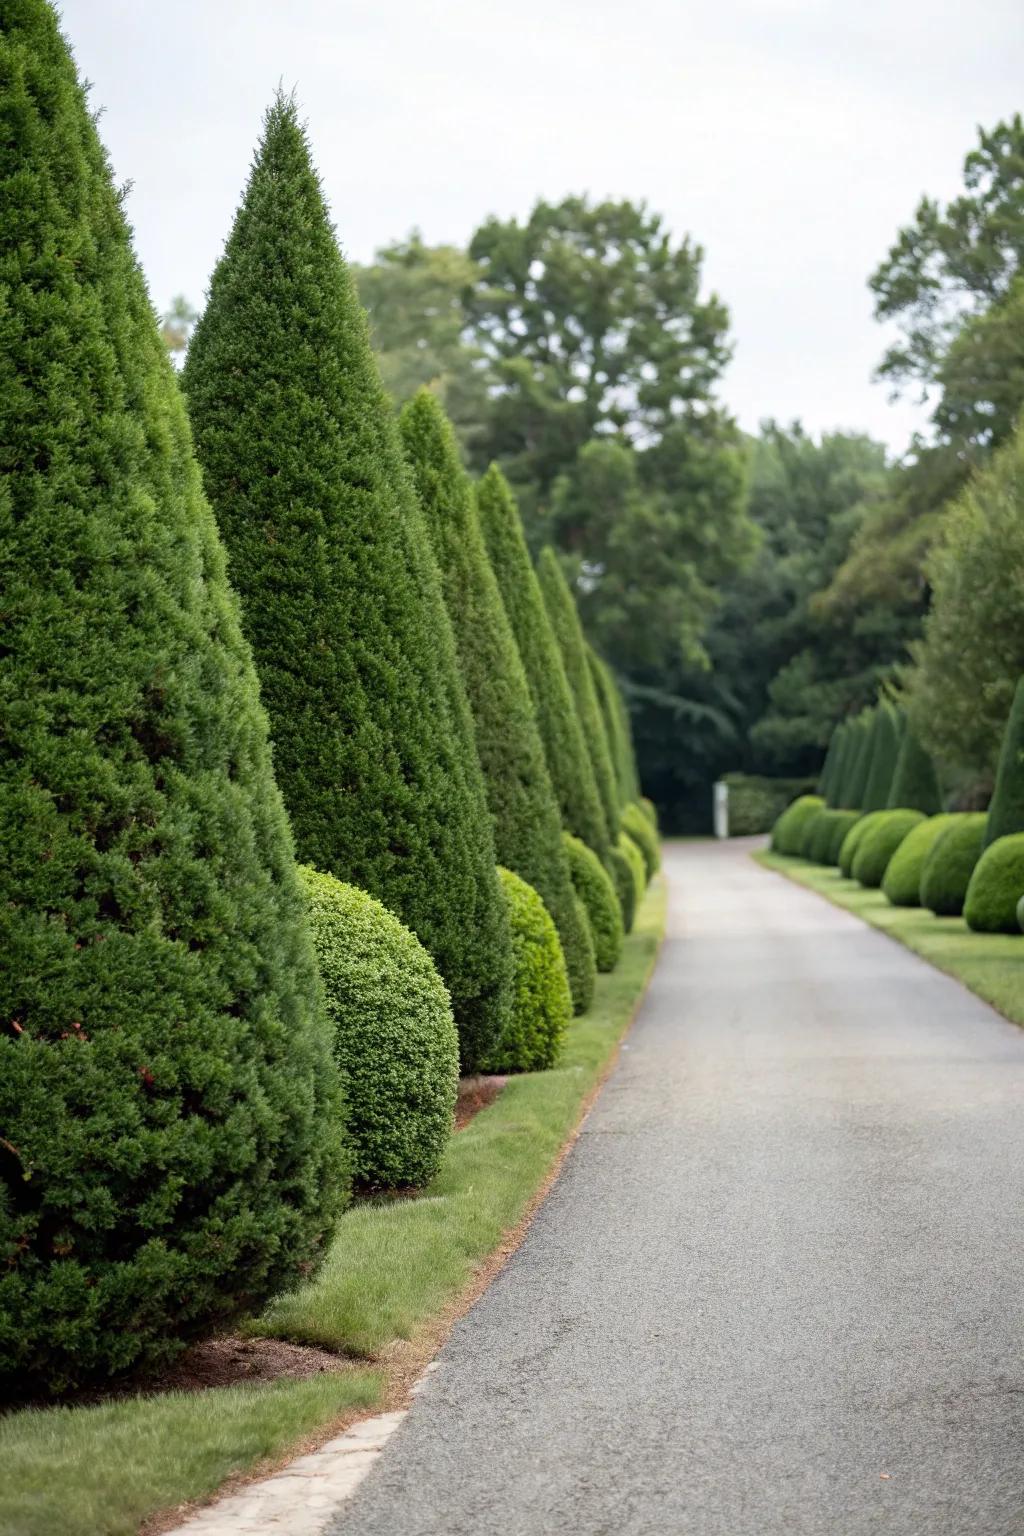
[[400, 1274], [991, 965]]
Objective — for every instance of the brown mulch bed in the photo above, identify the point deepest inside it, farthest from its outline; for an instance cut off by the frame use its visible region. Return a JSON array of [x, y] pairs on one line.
[[228, 1361], [475, 1093]]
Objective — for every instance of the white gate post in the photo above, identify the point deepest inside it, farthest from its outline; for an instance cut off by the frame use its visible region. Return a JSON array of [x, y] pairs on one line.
[[721, 810]]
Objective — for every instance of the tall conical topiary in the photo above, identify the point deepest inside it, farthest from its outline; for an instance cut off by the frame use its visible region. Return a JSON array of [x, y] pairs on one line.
[[617, 724], [827, 777], [859, 762], [373, 739], [837, 765], [915, 784], [569, 764], [568, 631], [527, 825], [1006, 811], [886, 729], [171, 1148]]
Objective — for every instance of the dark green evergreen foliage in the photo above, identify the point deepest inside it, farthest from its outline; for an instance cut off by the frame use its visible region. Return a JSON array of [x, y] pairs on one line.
[[597, 893], [915, 784], [851, 842], [638, 825], [902, 883], [542, 1003], [837, 776], [302, 460], [788, 831], [886, 732], [616, 724], [527, 824], [996, 887], [569, 764], [581, 1004], [565, 623], [877, 847], [855, 776], [394, 1034], [172, 1150], [1006, 811], [633, 855], [947, 870], [828, 767], [621, 871]]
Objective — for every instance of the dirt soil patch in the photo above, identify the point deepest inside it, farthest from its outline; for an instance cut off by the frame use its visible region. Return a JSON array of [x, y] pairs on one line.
[[475, 1093]]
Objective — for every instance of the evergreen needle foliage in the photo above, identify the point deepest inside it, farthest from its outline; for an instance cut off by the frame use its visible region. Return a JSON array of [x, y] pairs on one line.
[[170, 1112], [858, 763], [1006, 812], [616, 724], [915, 784], [565, 622], [885, 751], [302, 458], [527, 824], [569, 764]]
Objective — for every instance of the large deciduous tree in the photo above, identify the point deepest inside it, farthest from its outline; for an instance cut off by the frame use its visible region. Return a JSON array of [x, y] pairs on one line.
[[373, 737]]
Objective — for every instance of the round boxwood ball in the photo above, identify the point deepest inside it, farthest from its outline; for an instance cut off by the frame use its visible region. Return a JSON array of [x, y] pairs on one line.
[[638, 826], [789, 828], [594, 887], [809, 831], [633, 855], [625, 890], [851, 842], [996, 887], [948, 868], [394, 1034], [1020, 914], [879, 843], [902, 883], [542, 1001]]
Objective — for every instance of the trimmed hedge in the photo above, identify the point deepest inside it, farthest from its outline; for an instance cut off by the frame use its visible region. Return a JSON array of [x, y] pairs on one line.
[[650, 810], [170, 1114], [341, 598], [757, 802], [880, 842], [788, 831], [595, 889], [851, 842], [886, 733], [902, 883], [542, 1002], [1006, 812], [948, 868], [996, 887], [828, 832], [394, 1034], [633, 854], [622, 878], [915, 784], [637, 825], [524, 810], [810, 827], [857, 763]]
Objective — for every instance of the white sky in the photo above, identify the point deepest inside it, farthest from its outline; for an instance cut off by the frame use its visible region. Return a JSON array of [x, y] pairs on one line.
[[790, 137]]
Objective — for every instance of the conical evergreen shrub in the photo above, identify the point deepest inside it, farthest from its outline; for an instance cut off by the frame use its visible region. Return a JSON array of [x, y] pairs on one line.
[[1006, 811], [837, 773], [915, 784], [569, 764], [527, 824], [373, 738], [854, 773], [568, 631], [170, 1114], [616, 724], [828, 767], [885, 750]]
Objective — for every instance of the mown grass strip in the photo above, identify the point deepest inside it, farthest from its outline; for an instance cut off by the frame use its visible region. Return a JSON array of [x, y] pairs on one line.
[[990, 964], [102, 1470]]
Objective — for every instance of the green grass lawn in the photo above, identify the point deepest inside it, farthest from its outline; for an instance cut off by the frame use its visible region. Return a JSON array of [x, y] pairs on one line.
[[395, 1265], [991, 964]]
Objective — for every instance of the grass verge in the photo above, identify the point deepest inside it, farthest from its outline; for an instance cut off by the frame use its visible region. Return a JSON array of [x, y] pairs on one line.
[[395, 1269], [990, 964]]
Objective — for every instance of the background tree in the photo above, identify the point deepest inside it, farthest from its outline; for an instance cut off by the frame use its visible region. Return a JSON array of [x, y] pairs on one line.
[[341, 597], [524, 810], [171, 1151]]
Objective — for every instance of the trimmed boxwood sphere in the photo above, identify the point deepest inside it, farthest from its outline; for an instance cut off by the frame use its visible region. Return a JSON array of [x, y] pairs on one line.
[[851, 842], [996, 887], [879, 843], [809, 829], [542, 1002], [595, 889], [844, 821], [902, 883], [394, 1034], [633, 855], [638, 826], [827, 834], [788, 830], [650, 810], [625, 890], [948, 868]]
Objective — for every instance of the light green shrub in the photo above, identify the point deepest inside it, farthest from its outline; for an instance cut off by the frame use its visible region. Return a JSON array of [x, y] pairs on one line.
[[394, 1033], [637, 825], [996, 887], [788, 830], [851, 842], [948, 868], [808, 830], [542, 1001], [879, 843], [633, 855], [650, 810], [902, 883], [595, 889], [622, 879]]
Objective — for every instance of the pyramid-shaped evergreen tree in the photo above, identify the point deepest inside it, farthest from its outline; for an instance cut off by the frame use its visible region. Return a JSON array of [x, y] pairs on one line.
[[527, 825], [341, 599], [170, 1112], [1006, 812]]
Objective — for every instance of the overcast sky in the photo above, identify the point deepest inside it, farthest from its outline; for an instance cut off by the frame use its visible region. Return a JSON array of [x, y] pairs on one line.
[[791, 138]]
